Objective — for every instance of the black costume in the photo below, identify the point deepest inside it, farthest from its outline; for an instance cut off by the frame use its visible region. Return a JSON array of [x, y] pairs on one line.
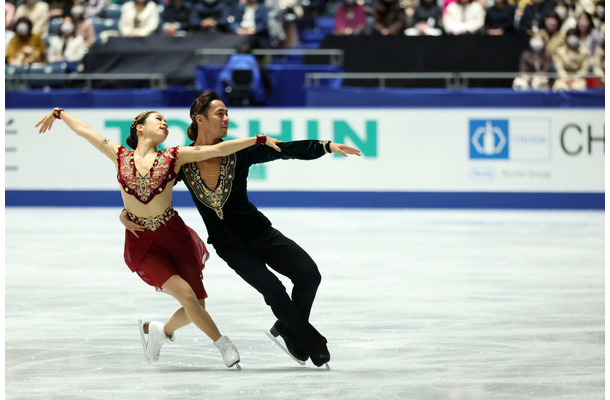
[[245, 239]]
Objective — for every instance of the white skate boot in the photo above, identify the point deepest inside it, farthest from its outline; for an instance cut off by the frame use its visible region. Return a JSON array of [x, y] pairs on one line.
[[156, 338], [229, 352]]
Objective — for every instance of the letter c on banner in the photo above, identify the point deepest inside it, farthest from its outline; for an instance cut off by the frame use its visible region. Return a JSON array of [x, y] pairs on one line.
[[563, 144]]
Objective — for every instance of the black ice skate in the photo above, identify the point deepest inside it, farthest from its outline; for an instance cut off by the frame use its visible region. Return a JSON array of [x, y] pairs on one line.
[[278, 329]]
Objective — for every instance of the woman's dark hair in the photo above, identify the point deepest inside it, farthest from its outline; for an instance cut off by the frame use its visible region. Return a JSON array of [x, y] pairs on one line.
[[591, 26], [132, 140], [26, 21], [200, 106]]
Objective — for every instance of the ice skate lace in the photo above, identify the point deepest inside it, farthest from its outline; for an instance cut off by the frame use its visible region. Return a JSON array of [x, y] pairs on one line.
[[229, 352], [157, 342]]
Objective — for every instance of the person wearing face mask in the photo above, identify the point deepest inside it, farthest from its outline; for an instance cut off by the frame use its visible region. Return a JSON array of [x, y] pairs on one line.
[[38, 13], [138, 18], [551, 34], [572, 64], [589, 36], [500, 18], [210, 15], [534, 61], [533, 15], [464, 17], [428, 19], [389, 18], [565, 20], [83, 26], [25, 47], [67, 46], [350, 18]]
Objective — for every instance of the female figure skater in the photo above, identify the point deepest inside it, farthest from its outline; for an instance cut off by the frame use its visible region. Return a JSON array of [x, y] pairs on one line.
[[167, 255]]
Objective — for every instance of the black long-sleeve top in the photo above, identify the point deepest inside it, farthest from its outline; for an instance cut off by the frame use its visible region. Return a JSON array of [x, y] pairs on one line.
[[227, 212]]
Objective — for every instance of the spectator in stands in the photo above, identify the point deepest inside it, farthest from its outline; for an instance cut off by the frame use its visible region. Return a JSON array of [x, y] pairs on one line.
[[210, 15], [175, 17], [598, 62], [96, 8], [84, 26], [26, 47], [67, 46], [588, 35], [428, 19], [572, 64], [251, 19], [500, 18], [389, 18], [565, 21], [553, 37], [293, 15], [38, 13], [275, 23], [533, 15], [464, 17], [599, 18], [57, 8], [534, 61], [350, 18], [139, 18], [9, 15]]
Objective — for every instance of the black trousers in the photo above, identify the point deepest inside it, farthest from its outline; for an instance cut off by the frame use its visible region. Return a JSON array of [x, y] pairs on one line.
[[271, 248]]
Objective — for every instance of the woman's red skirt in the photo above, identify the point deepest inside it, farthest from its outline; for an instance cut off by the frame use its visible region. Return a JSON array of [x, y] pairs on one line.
[[167, 247]]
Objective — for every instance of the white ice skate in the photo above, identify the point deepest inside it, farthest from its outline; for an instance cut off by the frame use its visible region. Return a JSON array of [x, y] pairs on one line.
[[156, 338], [229, 352]]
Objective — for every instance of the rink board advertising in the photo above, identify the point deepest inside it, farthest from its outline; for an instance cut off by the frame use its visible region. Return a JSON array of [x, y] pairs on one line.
[[440, 158]]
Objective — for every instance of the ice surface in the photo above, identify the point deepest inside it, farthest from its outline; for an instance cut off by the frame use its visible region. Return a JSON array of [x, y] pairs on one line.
[[416, 304]]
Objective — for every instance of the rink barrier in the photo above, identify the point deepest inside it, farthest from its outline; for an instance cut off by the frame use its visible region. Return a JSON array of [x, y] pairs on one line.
[[328, 199]]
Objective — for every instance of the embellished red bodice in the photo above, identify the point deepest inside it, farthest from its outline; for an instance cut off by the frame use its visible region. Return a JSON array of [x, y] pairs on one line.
[[144, 188]]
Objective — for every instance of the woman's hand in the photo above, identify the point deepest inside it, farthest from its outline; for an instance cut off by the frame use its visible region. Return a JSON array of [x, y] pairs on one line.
[[46, 123], [343, 149], [272, 142], [129, 224]]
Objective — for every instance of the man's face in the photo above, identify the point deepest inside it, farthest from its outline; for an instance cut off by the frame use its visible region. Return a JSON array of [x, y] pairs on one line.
[[217, 121]]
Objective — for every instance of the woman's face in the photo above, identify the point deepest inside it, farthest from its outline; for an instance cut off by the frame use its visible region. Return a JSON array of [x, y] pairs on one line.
[[583, 23], [155, 127], [67, 26], [22, 29]]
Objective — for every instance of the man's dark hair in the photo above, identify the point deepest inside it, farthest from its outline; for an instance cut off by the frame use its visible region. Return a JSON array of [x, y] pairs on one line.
[[200, 106]]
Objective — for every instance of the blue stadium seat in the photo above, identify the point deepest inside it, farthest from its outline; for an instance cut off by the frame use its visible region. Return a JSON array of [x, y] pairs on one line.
[[105, 24], [54, 25], [240, 81], [113, 12], [326, 25]]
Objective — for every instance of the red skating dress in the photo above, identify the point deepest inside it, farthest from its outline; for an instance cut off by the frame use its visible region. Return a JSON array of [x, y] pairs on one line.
[[167, 246]]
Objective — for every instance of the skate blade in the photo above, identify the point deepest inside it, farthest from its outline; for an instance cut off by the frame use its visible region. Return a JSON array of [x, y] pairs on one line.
[[237, 366], [143, 340], [327, 366], [284, 349]]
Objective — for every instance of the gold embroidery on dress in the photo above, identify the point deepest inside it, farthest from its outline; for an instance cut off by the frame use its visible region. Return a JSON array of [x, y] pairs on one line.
[[144, 188], [153, 223], [214, 199]]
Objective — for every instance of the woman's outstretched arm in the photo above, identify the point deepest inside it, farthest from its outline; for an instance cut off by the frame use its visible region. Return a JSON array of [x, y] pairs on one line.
[[81, 128]]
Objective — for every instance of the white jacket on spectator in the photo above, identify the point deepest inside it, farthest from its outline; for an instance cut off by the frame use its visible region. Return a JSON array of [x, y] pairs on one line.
[[134, 23], [74, 52], [38, 13], [459, 19]]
